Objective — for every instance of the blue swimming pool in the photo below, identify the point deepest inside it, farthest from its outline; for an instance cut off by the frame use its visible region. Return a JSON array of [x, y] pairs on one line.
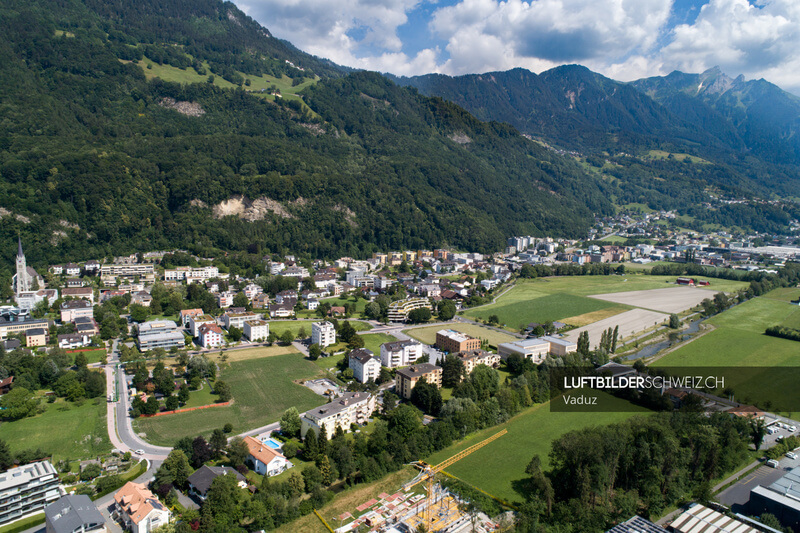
[[272, 443]]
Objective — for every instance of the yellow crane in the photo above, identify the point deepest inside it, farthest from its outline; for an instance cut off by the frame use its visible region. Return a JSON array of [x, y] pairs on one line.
[[427, 475]]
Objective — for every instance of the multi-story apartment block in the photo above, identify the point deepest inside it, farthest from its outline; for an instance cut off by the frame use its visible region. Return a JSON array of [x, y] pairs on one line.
[[225, 299], [407, 378], [187, 314], [399, 310], [111, 272], [18, 325], [295, 272], [78, 293], [256, 330], [210, 336], [198, 320], [365, 365], [237, 320], [473, 358], [27, 489], [452, 341], [400, 353], [350, 408], [191, 274], [72, 309], [323, 333], [252, 290], [159, 334]]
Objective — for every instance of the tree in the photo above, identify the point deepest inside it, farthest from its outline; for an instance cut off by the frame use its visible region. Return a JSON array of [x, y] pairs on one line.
[[356, 342], [674, 321], [218, 442], [183, 394], [324, 465], [417, 316], [201, 452], [238, 451], [223, 390], [235, 333], [583, 343], [452, 371], [240, 300], [90, 471], [446, 310], [80, 360], [314, 352], [372, 310], [758, 430], [177, 464], [346, 332], [287, 337], [614, 339], [310, 446], [494, 320], [6, 459], [426, 397], [290, 422], [172, 402], [139, 313]]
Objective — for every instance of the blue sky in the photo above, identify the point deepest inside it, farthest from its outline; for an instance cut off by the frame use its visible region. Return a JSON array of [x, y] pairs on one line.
[[623, 39]]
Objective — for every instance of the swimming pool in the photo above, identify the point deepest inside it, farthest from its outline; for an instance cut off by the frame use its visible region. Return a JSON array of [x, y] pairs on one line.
[[272, 443]]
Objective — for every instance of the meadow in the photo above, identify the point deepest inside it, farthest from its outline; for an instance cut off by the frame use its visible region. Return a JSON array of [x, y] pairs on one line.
[[262, 390], [280, 326], [65, 430]]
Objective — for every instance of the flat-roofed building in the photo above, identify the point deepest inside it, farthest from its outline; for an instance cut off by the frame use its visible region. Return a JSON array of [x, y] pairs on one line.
[[534, 349], [112, 272], [159, 334], [186, 314], [74, 514], [350, 408], [36, 337], [78, 293], [473, 358], [191, 274], [559, 346], [452, 341], [198, 320], [365, 365], [72, 309], [400, 353], [407, 378], [636, 524], [20, 325], [256, 330], [399, 310], [27, 489], [700, 519], [323, 334], [781, 498], [237, 320]]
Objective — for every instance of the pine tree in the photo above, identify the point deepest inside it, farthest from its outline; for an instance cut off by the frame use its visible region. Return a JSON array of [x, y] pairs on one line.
[[615, 339], [311, 449]]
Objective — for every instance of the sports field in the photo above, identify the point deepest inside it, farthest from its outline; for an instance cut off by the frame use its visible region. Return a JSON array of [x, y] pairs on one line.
[[262, 389], [498, 466], [669, 300], [631, 323], [64, 430], [428, 335], [759, 368]]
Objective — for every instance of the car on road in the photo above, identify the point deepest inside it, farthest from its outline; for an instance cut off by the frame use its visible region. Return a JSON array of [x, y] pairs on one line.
[[792, 428], [791, 455], [773, 463], [139, 452]]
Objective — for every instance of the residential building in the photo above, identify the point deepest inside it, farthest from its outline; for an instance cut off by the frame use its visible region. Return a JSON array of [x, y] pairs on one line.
[[19, 324], [195, 321], [27, 489], [29, 300], [78, 293], [452, 341], [191, 274], [260, 301], [74, 283], [295, 272], [139, 509], [86, 326], [323, 334], [312, 304], [225, 299], [159, 334], [473, 358], [399, 310], [400, 353], [70, 341], [281, 310], [36, 337], [237, 320], [407, 378], [91, 267], [559, 346], [141, 298], [200, 481], [256, 330], [112, 272], [187, 314], [534, 349], [74, 514], [72, 309], [265, 460], [252, 290], [346, 410], [210, 336], [365, 365], [287, 296]]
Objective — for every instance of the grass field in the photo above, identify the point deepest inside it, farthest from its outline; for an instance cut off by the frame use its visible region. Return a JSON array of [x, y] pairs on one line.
[[338, 301], [63, 430], [515, 313], [771, 365], [428, 335], [93, 356], [262, 389], [495, 467], [280, 326], [254, 353], [373, 341]]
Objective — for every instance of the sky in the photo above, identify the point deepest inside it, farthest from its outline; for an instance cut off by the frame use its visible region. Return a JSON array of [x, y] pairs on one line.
[[622, 39]]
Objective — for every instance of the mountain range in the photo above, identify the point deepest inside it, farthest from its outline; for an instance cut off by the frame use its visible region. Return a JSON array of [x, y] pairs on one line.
[[160, 124]]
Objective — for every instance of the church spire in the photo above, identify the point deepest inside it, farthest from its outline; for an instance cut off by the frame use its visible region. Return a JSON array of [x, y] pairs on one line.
[[19, 247]]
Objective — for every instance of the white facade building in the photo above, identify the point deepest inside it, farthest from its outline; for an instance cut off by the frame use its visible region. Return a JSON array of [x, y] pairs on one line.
[[323, 334], [400, 353]]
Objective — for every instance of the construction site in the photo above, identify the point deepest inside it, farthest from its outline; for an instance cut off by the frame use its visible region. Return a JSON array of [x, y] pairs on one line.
[[422, 504]]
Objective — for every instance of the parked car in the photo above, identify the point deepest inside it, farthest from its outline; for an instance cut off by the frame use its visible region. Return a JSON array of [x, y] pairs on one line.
[[792, 428], [791, 455], [773, 463]]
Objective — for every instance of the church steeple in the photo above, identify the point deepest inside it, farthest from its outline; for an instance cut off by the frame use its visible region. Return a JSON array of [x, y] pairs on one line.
[[19, 248]]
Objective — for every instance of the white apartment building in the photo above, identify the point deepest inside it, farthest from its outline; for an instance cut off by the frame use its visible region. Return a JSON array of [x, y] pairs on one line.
[[256, 330], [323, 333], [400, 353], [399, 310], [350, 408], [225, 299], [27, 489], [190, 274], [365, 365], [237, 320], [110, 272], [196, 321]]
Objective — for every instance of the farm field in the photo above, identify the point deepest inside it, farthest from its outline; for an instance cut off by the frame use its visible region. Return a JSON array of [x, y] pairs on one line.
[[496, 467], [428, 335], [518, 313], [262, 389], [253, 353], [671, 300], [64, 430], [590, 285], [630, 322], [749, 358]]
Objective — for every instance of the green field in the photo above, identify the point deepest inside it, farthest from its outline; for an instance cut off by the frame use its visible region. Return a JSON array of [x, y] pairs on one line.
[[93, 356], [428, 335], [373, 341], [262, 390], [738, 341], [495, 467], [514, 313], [338, 301], [64, 430], [280, 326]]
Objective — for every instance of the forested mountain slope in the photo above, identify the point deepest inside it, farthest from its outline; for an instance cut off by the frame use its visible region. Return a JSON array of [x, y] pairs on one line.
[[97, 159]]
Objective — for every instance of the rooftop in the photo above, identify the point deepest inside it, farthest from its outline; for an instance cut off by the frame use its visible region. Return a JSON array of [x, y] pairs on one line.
[[72, 512], [362, 355], [454, 335], [338, 405], [416, 371], [13, 477], [398, 345]]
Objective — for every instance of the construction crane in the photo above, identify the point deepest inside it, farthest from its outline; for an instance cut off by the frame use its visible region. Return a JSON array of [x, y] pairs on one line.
[[427, 475]]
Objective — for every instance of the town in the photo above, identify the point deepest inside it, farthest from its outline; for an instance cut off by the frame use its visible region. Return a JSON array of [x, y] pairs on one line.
[[213, 383]]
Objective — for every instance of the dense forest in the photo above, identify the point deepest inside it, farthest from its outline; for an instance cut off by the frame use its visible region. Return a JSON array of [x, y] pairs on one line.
[[95, 160]]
